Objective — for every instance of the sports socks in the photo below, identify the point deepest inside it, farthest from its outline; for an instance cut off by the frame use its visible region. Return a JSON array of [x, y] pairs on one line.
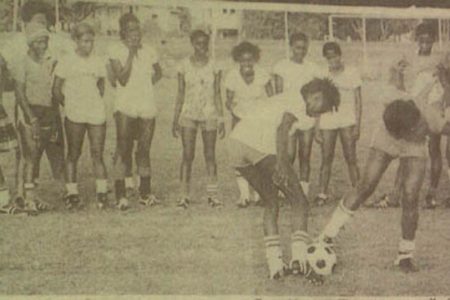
[[405, 250], [72, 188], [273, 254], [299, 240], [305, 187], [101, 186], [129, 182], [340, 217], [212, 190]]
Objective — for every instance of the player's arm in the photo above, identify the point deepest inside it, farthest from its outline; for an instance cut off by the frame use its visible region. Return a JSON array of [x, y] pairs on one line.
[[101, 86], [179, 104], [218, 102], [269, 89], [229, 104], [282, 143], [30, 118], [157, 75], [278, 83], [6, 77], [57, 90], [123, 72], [110, 74]]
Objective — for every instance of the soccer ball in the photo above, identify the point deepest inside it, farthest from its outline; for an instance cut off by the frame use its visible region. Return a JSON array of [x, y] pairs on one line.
[[321, 258]]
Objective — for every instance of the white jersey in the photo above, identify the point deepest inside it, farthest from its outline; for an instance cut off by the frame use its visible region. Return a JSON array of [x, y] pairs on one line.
[[246, 96], [347, 82], [259, 129], [83, 102], [295, 76]]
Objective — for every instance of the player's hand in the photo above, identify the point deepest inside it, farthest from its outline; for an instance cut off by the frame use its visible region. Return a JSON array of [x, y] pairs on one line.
[[356, 132], [281, 175], [441, 73], [221, 130], [318, 136], [175, 129]]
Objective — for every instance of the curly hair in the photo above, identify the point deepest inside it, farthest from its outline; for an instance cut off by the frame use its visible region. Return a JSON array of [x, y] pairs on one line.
[[123, 23], [298, 36], [400, 116], [331, 46], [330, 92], [245, 47], [34, 7]]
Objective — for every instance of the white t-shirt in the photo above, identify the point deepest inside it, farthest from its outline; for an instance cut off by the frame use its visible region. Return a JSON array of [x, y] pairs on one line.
[[83, 103], [199, 90], [139, 87], [259, 129], [347, 82], [296, 75], [246, 96]]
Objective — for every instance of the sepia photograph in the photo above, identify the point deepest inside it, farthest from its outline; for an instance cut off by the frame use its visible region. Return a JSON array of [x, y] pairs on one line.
[[187, 149]]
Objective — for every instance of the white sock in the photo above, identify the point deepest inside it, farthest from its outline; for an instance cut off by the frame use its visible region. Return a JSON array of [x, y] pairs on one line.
[[4, 197], [129, 182], [340, 217], [244, 189], [298, 245], [72, 188], [322, 196], [29, 185], [273, 254], [101, 186], [305, 187], [406, 249]]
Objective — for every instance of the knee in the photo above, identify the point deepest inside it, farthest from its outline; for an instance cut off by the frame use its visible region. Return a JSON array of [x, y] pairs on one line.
[[188, 156], [327, 159], [351, 159], [73, 156], [210, 157], [97, 155]]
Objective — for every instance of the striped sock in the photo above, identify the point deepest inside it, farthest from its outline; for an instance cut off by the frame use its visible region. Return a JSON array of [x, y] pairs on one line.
[[340, 217], [299, 240], [212, 190], [273, 254]]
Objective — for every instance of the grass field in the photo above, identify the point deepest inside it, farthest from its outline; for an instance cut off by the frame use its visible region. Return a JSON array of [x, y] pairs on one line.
[[164, 250]]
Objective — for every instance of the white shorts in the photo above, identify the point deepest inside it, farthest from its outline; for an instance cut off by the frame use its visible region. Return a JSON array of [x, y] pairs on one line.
[[242, 155], [95, 114], [144, 108], [337, 120]]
